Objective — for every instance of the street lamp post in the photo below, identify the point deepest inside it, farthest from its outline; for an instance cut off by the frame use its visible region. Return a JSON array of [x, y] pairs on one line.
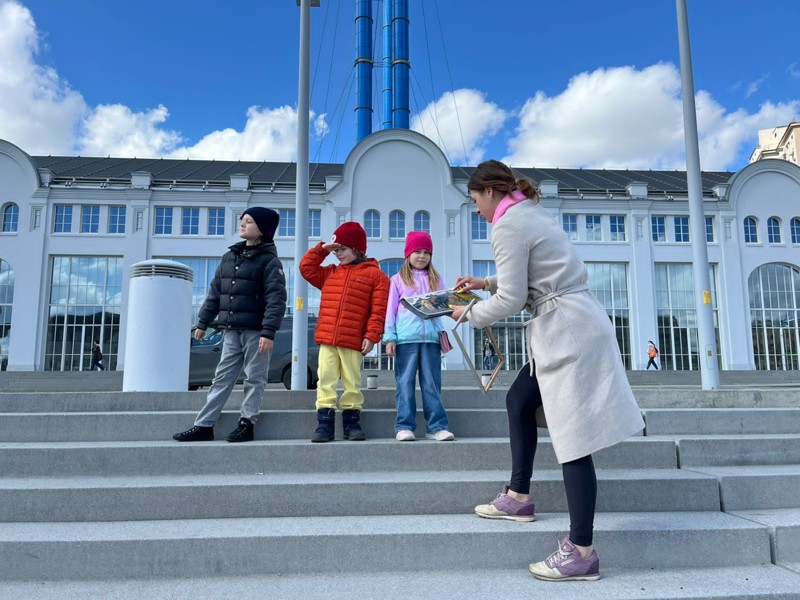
[[709, 370], [300, 312]]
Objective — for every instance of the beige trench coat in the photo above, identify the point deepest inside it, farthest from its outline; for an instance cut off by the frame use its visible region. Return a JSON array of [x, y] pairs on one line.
[[587, 401]]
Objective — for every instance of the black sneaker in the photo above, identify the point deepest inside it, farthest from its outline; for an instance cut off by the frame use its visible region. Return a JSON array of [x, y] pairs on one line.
[[195, 434], [243, 432]]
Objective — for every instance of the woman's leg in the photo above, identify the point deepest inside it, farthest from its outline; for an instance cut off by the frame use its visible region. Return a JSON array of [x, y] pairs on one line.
[[522, 400], [580, 483]]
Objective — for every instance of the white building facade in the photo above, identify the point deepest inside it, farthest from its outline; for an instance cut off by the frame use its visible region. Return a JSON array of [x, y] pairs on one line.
[[72, 227], [778, 142]]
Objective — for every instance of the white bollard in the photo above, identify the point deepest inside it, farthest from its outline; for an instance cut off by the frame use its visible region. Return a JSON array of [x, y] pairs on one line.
[[159, 327]]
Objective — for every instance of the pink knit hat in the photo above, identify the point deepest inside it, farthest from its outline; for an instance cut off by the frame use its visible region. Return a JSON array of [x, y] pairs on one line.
[[418, 240]]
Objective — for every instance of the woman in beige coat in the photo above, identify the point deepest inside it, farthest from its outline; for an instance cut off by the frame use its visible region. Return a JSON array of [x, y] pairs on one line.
[[575, 379]]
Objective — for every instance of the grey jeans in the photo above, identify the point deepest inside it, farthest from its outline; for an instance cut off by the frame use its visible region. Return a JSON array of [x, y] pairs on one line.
[[239, 349]]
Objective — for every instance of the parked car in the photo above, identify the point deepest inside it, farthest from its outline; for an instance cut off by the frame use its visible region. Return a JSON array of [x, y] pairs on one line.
[[205, 354]]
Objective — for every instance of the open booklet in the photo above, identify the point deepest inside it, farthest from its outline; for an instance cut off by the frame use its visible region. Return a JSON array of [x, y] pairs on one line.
[[437, 304]]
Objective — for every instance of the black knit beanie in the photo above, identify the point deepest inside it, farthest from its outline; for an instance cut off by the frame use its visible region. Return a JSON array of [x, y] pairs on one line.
[[266, 220]]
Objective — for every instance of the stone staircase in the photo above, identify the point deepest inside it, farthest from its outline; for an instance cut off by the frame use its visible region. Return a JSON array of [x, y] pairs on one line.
[[96, 500]]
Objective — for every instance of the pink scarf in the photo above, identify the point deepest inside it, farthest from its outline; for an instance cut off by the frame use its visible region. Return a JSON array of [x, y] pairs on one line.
[[514, 198]]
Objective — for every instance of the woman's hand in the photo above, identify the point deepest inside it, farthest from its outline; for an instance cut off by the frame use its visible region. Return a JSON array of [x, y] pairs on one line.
[[366, 346], [466, 283], [457, 312], [199, 333], [390, 348]]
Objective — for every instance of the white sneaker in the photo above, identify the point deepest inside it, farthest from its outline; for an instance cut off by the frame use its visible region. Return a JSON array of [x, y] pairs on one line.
[[440, 436], [404, 435]]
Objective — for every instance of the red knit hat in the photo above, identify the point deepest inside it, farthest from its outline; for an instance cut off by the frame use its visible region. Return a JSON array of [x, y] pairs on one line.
[[418, 240], [352, 235]]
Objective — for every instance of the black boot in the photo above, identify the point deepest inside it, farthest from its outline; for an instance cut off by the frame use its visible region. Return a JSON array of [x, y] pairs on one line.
[[326, 420], [243, 432], [195, 434], [351, 426]]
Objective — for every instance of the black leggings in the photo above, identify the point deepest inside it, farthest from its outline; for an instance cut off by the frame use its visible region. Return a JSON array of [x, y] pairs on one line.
[[580, 481]]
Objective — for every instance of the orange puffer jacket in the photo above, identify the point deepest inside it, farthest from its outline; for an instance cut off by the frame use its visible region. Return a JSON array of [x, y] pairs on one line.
[[353, 301]]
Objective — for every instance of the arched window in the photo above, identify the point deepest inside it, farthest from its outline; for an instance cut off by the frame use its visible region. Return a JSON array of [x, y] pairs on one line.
[[774, 230], [774, 291], [794, 226], [391, 266], [372, 223], [397, 225], [750, 231], [422, 221], [10, 217]]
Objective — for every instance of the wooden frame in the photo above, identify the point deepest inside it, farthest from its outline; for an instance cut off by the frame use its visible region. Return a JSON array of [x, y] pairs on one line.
[[501, 360]]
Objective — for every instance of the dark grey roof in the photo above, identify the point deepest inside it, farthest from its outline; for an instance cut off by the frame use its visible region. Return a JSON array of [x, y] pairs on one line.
[[613, 180], [269, 174], [283, 174]]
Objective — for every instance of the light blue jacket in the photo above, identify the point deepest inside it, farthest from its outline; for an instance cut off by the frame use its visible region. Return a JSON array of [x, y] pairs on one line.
[[403, 326]]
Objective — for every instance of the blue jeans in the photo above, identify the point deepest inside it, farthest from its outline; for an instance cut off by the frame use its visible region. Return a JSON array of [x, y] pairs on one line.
[[427, 359], [239, 350]]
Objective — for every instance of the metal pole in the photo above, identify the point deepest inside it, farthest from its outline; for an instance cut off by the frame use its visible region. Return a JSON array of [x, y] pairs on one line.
[[300, 320], [709, 371]]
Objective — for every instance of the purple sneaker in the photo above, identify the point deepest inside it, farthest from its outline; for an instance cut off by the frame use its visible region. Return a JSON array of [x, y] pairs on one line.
[[567, 564], [505, 507]]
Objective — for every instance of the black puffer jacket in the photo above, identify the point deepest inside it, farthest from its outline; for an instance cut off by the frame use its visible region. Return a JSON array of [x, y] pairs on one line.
[[248, 291]]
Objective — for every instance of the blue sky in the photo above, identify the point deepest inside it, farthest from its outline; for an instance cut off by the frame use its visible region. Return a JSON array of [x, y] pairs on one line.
[[576, 83]]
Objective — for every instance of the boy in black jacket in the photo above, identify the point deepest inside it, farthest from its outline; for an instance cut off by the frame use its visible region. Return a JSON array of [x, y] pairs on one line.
[[248, 297]]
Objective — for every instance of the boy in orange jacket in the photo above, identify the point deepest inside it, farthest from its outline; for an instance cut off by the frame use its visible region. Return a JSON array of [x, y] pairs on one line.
[[352, 312]]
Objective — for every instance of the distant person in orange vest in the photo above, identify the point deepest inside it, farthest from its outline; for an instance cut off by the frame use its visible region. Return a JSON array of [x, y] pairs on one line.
[[652, 353]]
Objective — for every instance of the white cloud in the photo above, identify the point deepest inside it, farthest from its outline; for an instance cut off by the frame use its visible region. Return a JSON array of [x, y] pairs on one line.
[[114, 129], [38, 111], [723, 134], [793, 70], [628, 118], [460, 123], [269, 134]]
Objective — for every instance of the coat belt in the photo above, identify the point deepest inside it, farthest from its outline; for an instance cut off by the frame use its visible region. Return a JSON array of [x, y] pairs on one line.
[[581, 287]]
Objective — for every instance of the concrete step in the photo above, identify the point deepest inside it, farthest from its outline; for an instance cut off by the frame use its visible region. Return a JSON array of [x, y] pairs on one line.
[[742, 397], [274, 399], [697, 421], [72, 459], [736, 450], [756, 487], [140, 424], [767, 582], [784, 524], [272, 425], [452, 397], [112, 380], [365, 544], [335, 494]]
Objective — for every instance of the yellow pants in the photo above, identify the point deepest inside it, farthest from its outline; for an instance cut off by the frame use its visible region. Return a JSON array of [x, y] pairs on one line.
[[339, 363]]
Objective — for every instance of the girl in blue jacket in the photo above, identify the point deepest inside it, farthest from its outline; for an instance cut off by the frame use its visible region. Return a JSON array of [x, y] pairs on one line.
[[415, 344]]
